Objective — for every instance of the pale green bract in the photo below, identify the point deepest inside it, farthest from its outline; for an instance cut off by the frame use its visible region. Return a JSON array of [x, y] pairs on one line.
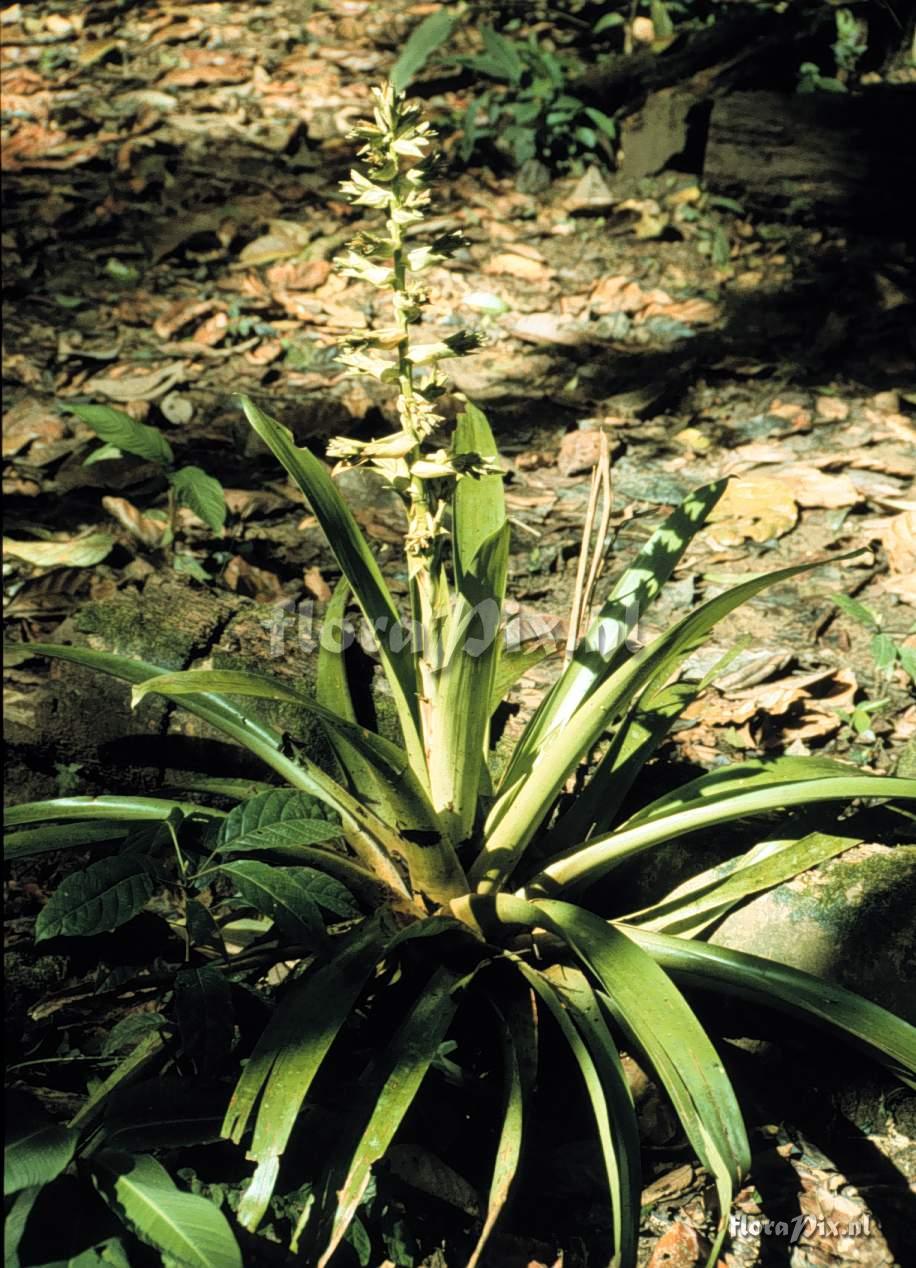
[[419, 840]]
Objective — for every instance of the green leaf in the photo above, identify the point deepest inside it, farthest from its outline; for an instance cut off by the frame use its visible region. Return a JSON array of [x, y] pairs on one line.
[[126, 1032], [148, 1052], [662, 23], [503, 55], [521, 807], [165, 1112], [107, 1254], [608, 20], [582, 1026], [656, 1018], [739, 777], [190, 1229], [691, 907], [288, 1055], [358, 565], [203, 1005], [98, 899], [768, 984], [112, 806], [119, 429], [479, 504], [404, 793], [511, 665], [602, 121], [279, 817], [884, 652], [587, 863], [401, 1070], [37, 1148], [201, 493], [518, 1036], [634, 742], [371, 838], [603, 649], [59, 836], [17, 1216], [104, 453], [332, 690], [858, 611], [422, 42], [460, 742], [285, 894]]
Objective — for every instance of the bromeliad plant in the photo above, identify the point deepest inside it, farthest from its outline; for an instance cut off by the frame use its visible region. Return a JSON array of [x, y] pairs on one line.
[[492, 873]]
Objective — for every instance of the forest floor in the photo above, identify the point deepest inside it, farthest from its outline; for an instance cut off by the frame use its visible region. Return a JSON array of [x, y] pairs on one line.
[[172, 216]]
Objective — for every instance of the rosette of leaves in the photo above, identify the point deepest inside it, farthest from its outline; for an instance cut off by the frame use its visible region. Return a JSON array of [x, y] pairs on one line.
[[475, 890]]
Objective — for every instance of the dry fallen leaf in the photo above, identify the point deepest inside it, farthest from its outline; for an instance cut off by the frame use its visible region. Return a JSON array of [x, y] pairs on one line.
[[256, 583], [755, 507], [125, 384], [29, 420], [146, 528], [898, 535], [679, 1247], [511, 264], [73, 552], [832, 409], [813, 488], [316, 585]]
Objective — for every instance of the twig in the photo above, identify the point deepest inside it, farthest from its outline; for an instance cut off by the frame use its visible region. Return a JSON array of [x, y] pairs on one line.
[[590, 561]]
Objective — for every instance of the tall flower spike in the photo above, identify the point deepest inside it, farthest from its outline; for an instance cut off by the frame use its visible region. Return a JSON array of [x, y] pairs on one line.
[[398, 167]]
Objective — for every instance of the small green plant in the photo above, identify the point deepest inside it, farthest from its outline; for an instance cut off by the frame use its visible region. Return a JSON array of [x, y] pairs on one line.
[[529, 112], [887, 656], [187, 486], [419, 887], [848, 48]]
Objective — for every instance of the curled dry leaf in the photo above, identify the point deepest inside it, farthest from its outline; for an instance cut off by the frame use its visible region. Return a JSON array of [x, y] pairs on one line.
[[29, 420], [124, 384], [145, 528], [72, 552]]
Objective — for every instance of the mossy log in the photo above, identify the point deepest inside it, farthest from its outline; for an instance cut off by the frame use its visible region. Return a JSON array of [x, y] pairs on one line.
[[78, 721]]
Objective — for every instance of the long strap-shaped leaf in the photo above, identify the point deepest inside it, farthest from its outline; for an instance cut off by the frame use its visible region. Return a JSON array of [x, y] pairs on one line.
[[289, 1054], [769, 984], [725, 781], [332, 690], [586, 864], [526, 799], [703, 899], [373, 839], [635, 740], [403, 1068], [461, 719], [358, 565], [406, 796], [518, 1036], [479, 502], [577, 1014], [657, 1019], [603, 649], [110, 806]]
